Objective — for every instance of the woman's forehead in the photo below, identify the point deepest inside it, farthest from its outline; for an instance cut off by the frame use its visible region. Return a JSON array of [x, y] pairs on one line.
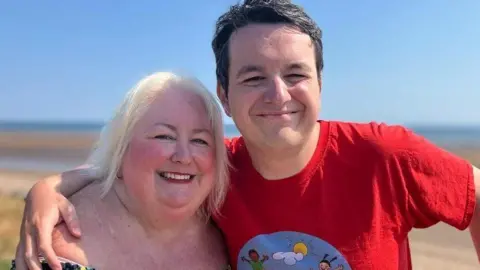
[[179, 94], [177, 107]]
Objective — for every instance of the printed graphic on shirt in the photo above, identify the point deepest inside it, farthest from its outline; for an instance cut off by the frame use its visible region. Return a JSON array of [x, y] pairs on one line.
[[290, 250]]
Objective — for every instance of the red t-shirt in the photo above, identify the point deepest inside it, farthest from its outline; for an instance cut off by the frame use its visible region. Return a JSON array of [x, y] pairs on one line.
[[352, 206]]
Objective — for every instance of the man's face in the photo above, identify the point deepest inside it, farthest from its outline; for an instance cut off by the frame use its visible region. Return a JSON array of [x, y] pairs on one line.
[[274, 90]]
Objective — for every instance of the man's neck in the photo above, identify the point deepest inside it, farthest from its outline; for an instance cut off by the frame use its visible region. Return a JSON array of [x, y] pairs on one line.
[[275, 163]]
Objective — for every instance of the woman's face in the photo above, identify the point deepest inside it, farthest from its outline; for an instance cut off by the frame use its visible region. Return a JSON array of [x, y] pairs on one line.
[[169, 166]]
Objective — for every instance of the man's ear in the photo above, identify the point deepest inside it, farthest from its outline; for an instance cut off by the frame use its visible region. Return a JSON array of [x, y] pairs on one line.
[[320, 80], [222, 95]]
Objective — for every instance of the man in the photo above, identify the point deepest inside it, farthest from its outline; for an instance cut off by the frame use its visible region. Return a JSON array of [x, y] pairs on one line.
[[307, 192]]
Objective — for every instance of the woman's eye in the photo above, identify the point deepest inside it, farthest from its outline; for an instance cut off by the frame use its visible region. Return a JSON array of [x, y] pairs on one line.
[[164, 137], [200, 141]]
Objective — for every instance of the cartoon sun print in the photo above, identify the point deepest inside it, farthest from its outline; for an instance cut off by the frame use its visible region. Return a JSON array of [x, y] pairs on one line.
[[288, 250], [299, 250]]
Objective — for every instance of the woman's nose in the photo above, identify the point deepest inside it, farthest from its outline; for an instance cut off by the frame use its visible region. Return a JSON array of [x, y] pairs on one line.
[[182, 154]]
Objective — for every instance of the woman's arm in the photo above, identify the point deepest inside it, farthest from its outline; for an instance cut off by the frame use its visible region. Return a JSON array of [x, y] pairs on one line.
[[45, 206]]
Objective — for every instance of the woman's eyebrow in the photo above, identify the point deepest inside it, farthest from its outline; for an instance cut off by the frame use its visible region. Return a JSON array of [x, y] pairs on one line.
[[173, 128]]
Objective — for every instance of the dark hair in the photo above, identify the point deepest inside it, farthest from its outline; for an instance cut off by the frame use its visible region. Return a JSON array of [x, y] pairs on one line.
[[328, 262], [260, 11]]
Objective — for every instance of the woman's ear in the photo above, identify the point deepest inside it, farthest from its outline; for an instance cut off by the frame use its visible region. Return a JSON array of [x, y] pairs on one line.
[[120, 173]]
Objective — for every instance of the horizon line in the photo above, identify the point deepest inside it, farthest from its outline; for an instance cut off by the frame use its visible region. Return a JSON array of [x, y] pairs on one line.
[[100, 122]]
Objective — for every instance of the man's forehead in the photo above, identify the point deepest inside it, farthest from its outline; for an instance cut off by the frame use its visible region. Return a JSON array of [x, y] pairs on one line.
[[255, 45], [267, 31], [262, 39]]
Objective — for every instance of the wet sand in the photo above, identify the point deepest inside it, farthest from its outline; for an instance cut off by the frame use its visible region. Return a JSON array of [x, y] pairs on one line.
[[439, 247]]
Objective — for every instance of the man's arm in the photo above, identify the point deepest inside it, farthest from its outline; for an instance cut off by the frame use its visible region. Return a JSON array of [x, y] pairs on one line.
[[69, 182], [45, 206], [431, 184], [475, 224]]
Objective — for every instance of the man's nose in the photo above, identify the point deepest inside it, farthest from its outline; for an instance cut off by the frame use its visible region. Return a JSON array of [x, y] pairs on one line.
[[277, 92], [182, 154]]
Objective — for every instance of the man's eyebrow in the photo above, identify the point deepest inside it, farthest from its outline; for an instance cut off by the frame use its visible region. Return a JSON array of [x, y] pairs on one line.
[[173, 128], [247, 69], [299, 65], [253, 68]]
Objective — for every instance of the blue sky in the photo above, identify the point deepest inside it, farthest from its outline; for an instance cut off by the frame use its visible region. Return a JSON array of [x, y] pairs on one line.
[[392, 61]]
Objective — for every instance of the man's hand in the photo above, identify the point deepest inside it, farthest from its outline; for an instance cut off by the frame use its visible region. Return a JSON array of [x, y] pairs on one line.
[[44, 208]]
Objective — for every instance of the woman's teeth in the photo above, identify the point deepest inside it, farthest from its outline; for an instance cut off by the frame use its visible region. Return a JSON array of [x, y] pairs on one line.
[[176, 176]]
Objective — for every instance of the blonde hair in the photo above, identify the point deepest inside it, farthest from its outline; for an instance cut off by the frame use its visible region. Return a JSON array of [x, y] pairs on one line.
[[106, 158]]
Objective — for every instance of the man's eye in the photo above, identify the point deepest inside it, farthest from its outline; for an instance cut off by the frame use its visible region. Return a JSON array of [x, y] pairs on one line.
[[295, 76], [253, 79]]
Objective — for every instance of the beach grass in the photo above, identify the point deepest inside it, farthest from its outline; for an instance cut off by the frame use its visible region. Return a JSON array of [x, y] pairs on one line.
[[5, 264], [11, 210]]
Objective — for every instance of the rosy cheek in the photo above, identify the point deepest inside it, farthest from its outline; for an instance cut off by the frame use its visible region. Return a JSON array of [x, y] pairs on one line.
[[147, 154], [205, 159]]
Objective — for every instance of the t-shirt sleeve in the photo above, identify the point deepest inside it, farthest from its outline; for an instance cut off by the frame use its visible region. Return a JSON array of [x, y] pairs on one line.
[[231, 143], [438, 185]]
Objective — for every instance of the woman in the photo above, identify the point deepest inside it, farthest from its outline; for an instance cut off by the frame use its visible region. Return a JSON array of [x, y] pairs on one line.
[[163, 166]]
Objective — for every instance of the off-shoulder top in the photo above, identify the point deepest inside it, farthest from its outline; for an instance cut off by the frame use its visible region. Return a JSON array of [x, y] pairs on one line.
[[66, 265], [71, 265]]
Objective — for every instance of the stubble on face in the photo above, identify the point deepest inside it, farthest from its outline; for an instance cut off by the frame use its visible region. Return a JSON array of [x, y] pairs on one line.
[[272, 70]]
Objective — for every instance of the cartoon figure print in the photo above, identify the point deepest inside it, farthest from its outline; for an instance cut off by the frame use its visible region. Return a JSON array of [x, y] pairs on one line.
[[255, 262], [326, 264], [288, 250]]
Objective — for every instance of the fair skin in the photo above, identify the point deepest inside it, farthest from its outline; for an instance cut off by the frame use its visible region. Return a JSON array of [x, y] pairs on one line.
[[274, 99], [272, 70], [148, 219], [274, 96]]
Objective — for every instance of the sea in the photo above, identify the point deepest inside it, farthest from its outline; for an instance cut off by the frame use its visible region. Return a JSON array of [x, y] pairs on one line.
[[442, 135]]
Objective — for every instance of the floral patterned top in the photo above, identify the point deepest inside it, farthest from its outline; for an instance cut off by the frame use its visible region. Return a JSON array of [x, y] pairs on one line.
[[66, 265], [70, 265]]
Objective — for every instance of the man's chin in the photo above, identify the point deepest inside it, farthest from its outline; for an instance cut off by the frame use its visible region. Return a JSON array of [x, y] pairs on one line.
[[284, 137]]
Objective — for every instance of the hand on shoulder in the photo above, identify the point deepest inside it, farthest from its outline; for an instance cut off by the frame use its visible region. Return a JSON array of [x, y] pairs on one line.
[[67, 246]]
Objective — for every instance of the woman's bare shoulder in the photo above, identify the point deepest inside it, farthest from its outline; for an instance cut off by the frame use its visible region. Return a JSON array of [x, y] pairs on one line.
[[81, 250]]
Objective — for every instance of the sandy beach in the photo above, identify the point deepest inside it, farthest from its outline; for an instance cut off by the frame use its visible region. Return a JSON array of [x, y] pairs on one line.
[[439, 247]]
